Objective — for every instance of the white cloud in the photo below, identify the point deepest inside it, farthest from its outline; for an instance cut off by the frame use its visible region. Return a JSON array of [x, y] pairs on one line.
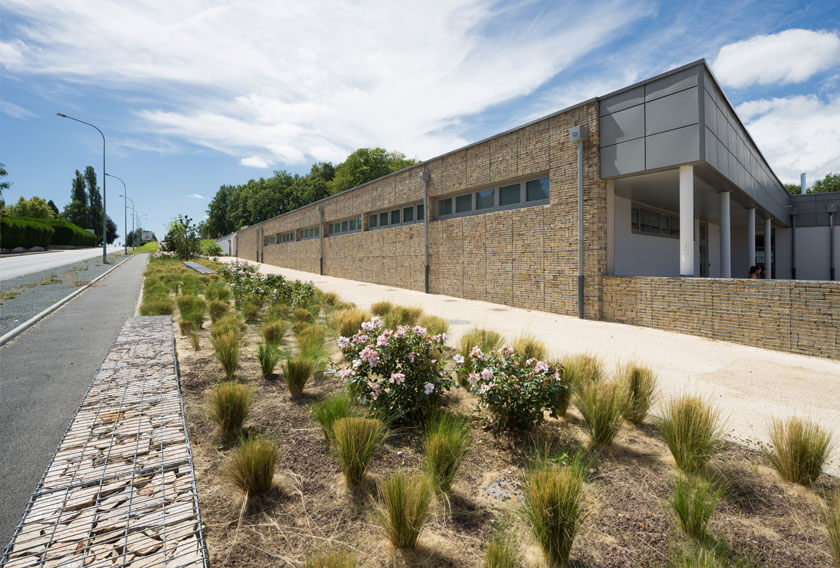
[[311, 80], [796, 134], [13, 110], [255, 162], [791, 56], [195, 196]]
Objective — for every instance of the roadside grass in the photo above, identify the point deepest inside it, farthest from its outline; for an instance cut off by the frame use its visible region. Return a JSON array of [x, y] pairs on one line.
[[151, 246]]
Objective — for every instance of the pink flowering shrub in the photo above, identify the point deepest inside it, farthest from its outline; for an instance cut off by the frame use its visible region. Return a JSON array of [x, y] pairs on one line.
[[395, 372], [512, 391]]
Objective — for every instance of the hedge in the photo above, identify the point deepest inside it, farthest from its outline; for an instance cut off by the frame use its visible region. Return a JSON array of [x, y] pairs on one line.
[[66, 233], [27, 233]]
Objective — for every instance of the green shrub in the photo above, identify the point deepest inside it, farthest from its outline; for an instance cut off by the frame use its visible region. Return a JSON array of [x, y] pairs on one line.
[[831, 520], [640, 385], [27, 233], [218, 309], [251, 467], [582, 369], [268, 356], [347, 322], [693, 431], [229, 405], [693, 503], [250, 309], [602, 406], [381, 309], [66, 233], [530, 347], [433, 325], [355, 442], [332, 559], [156, 306], [552, 509], [189, 303], [230, 322], [274, 331], [310, 342], [302, 315], [501, 553], [218, 291], [279, 311], [209, 247], [800, 449], [296, 373], [446, 443], [332, 408], [226, 346], [403, 507]]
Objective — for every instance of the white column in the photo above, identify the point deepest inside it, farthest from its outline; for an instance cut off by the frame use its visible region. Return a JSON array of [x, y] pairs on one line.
[[725, 242], [610, 226], [768, 261], [686, 220], [751, 236]]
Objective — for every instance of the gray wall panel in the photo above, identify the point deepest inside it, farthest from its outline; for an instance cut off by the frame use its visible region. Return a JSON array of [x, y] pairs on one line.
[[672, 83], [622, 101], [623, 158], [672, 111], [712, 149], [673, 147], [623, 125]]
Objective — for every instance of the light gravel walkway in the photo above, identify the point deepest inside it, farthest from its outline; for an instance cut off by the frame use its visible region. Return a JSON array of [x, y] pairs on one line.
[[750, 385]]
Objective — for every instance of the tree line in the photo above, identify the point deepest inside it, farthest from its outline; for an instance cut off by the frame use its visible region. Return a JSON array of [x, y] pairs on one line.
[[236, 206]]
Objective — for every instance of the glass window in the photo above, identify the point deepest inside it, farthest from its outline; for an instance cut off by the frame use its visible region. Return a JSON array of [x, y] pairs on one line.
[[408, 214], [395, 217], [345, 226], [634, 218], [509, 195], [372, 221], [536, 190], [675, 227], [420, 212], [463, 203], [484, 199], [654, 222], [383, 219], [352, 224], [644, 223], [444, 207]]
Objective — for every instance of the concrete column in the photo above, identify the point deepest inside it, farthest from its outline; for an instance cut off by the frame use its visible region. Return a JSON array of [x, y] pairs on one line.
[[751, 236], [686, 220], [610, 226], [725, 237], [768, 262]]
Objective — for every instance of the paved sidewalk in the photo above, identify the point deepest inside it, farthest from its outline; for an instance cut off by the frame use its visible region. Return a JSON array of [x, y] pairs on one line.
[[120, 489], [750, 385]]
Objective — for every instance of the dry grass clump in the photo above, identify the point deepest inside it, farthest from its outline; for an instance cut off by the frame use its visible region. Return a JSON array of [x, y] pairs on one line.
[[485, 339], [332, 559], [310, 343], [186, 326], [302, 314], [446, 443], [217, 291], [229, 323], [640, 385], [274, 331], [693, 431], [530, 346], [250, 310], [602, 406], [268, 356], [831, 520], [218, 309], [693, 503], [800, 449], [433, 324], [381, 309], [355, 441], [229, 404], [402, 315], [296, 373], [157, 306], [251, 467], [332, 408], [226, 346], [347, 322], [403, 507], [583, 368], [501, 553], [195, 340]]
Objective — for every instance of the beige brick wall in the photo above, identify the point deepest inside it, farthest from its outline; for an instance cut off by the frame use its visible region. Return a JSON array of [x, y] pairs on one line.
[[788, 315]]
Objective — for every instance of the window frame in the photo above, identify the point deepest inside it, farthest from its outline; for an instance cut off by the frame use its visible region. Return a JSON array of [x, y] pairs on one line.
[[497, 193], [309, 233], [342, 226], [416, 209], [646, 211]]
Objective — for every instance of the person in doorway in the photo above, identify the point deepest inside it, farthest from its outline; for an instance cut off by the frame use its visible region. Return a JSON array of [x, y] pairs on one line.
[[753, 273], [762, 272]]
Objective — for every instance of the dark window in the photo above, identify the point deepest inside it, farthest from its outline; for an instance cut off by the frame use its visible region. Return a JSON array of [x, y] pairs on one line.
[[372, 221], [634, 218], [383, 219], [408, 214], [484, 199], [345, 226], [463, 203], [444, 207], [509, 195], [536, 190], [395, 217], [420, 213]]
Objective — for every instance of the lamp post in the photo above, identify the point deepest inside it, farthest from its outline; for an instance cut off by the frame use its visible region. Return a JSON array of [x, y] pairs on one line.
[[104, 176], [133, 219], [125, 210]]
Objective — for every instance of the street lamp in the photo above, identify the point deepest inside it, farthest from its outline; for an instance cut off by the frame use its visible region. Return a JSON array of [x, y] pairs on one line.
[[133, 219], [104, 175], [125, 210]]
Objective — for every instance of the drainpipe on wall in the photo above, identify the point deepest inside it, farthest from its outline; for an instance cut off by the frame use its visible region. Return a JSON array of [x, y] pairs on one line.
[[793, 213], [320, 210], [578, 134], [832, 209], [426, 176]]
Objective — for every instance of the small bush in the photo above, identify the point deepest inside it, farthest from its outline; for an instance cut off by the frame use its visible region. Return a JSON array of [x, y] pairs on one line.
[[831, 520], [296, 373], [485, 339], [355, 442], [268, 356], [186, 326], [217, 291], [251, 468], [693, 431], [189, 303], [582, 369], [250, 309], [229, 405], [552, 509], [800, 449], [434, 325], [693, 503], [333, 559], [332, 408], [404, 507], [602, 406], [301, 314], [347, 322], [381, 309], [310, 342], [695, 557], [401, 315], [227, 324], [279, 311], [501, 553], [226, 346], [218, 308], [156, 306], [446, 444], [530, 347], [274, 331], [195, 340], [640, 385]]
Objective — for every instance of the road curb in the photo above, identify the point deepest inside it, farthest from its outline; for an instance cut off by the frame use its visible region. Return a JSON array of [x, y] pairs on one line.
[[41, 315]]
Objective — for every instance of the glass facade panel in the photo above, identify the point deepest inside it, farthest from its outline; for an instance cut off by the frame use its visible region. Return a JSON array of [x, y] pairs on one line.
[[383, 219], [536, 190], [395, 217], [408, 214], [509, 195], [463, 203], [484, 199], [444, 207]]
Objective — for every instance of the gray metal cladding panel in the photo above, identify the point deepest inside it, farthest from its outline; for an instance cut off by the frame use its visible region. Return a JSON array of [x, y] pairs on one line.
[[672, 111], [622, 101], [710, 112], [623, 158], [711, 154], [672, 83], [673, 147], [623, 125]]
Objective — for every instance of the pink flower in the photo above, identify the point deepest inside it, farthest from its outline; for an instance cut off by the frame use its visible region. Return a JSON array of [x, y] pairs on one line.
[[429, 388], [486, 387], [541, 366], [346, 373], [381, 340], [361, 338], [531, 361], [370, 355], [356, 363], [400, 332], [421, 331], [505, 350], [410, 356], [374, 391], [487, 374], [459, 359], [476, 352], [472, 378], [397, 378], [343, 342]]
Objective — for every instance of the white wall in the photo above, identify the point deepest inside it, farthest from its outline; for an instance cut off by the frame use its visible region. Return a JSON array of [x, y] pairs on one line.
[[228, 244], [642, 255], [812, 247]]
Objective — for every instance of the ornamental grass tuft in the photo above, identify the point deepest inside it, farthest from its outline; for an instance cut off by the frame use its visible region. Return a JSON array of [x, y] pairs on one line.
[[296, 373], [800, 449], [381, 309], [402, 315], [195, 340], [446, 443], [640, 385], [217, 291], [217, 309], [347, 322], [831, 520], [226, 346], [334, 559], [229, 404], [530, 347], [302, 314], [693, 503], [251, 467], [355, 441], [433, 324], [250, 309], [310, 343], [485, 339], [156, 306], [229, 323], [602, 406], [693, 431], [332, 408], [274, 331], [501, 553], [268, 356], [582, 369], [403, 507]]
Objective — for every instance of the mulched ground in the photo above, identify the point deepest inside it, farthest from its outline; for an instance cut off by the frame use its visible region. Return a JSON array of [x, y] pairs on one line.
[[759, 521]]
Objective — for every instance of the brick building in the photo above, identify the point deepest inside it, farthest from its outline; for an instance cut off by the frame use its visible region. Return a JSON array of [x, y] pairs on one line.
[[675, 203]]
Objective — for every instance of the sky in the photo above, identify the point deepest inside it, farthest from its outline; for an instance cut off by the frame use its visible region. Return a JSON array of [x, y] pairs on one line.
[[195, 94]]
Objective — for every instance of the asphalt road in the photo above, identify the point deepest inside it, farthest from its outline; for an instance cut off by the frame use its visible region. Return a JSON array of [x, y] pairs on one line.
[[17, 265], [45, 372]]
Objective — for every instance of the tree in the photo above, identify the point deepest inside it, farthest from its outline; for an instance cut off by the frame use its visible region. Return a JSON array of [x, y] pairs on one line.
[[94, 201], [112, 229], [35, 208], [182, 238], [77, 211], [792, 189], [831, 182], [54, 208], [3, 173], [364, 165]]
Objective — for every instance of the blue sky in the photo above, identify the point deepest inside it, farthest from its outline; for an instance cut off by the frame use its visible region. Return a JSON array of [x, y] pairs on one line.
[[195, 94]]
